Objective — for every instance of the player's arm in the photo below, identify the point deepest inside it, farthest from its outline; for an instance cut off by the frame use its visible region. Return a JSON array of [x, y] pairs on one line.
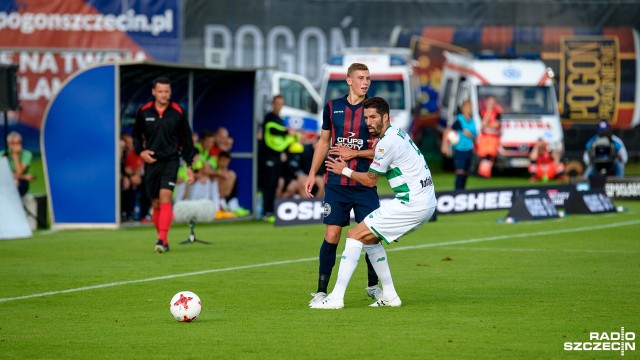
[[339, 166], [348, 153], [319, 154]]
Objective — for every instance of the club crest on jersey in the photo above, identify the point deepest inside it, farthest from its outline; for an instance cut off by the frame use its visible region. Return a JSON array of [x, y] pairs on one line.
[[380, 151], [327, 209]]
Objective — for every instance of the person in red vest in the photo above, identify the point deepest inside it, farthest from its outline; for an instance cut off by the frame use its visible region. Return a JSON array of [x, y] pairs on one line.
[[545, 163]]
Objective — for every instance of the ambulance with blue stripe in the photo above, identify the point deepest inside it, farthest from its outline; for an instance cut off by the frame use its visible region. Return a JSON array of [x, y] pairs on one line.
[[523, 88]]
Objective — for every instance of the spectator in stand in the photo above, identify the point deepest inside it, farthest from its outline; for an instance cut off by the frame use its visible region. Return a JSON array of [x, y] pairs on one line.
[[296, 171], [228, 186], [545, 163], [289, 185], [462, 139], [202, 188], [604, 154], [489, 138], [19, 162], [180, 192], [136, 203], [225, 177], [220, 140]]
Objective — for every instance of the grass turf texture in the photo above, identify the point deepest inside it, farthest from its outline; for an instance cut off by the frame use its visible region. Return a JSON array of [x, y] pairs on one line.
[[471, 288]]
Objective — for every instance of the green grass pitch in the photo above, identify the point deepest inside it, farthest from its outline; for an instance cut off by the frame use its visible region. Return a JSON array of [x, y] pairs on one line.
[[471, 288]]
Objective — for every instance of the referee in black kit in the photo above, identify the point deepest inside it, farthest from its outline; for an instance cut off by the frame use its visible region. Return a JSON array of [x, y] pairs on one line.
[[161, 134]]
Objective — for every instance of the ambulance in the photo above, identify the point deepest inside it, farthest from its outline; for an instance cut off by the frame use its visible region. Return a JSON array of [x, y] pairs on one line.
[[523, 88], [393, 77]]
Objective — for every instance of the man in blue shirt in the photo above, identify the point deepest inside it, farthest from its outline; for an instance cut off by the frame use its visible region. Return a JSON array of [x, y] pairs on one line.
[[465, 128]]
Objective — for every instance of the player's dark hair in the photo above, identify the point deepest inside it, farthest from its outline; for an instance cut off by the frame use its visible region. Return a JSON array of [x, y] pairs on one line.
[[160, 80], [381, 105], [224, 154]]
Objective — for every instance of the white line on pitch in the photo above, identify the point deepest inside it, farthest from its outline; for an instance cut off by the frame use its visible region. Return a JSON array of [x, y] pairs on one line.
[[512, 236], [284, 262], [594, 251]]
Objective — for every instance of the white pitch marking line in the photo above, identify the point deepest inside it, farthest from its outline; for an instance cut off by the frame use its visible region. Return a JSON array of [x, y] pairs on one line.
[[284, 262], [595, 251], [512, 236]]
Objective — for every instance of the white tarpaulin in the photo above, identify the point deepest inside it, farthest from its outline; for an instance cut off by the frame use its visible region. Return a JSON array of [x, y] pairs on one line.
[[13, 219]]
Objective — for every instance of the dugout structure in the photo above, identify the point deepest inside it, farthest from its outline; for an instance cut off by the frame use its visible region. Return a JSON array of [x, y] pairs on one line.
[[80, 134]]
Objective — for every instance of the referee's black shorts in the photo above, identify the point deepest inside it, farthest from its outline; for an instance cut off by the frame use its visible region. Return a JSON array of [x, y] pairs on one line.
[[160, 175]]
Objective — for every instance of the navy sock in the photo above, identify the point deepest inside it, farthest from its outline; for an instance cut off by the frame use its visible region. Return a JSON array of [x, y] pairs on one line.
[[371, 273], [327, 261], [461, 181]]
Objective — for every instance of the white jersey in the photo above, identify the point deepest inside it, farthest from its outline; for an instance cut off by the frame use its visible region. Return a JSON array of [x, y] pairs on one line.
[[398, 158]]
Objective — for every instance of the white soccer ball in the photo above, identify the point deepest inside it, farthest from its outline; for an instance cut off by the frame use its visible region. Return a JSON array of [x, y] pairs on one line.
[[453, 137], [185, 306]]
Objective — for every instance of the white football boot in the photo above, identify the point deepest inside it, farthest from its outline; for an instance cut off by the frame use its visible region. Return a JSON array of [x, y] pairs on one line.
[[328, 303], [317, 298], [395, 302]]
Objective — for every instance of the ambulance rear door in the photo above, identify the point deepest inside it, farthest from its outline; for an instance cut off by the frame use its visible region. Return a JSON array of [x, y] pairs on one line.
[[301, 103]]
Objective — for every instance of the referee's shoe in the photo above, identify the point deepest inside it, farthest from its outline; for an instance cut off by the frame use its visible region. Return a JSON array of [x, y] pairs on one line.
[[161, 247]]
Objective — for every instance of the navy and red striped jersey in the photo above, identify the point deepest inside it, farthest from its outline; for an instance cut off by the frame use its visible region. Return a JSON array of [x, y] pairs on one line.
[[347, 126], [167, 133]]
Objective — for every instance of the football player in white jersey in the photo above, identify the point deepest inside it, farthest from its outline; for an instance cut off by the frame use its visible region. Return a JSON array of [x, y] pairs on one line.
[[399, 159]]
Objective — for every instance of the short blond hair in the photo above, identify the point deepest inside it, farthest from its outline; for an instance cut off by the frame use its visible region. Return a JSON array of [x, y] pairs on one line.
[[355, 67]]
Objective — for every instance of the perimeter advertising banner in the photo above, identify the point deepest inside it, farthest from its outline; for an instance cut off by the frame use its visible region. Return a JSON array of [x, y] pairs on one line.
[[49, 40], [311, 211]]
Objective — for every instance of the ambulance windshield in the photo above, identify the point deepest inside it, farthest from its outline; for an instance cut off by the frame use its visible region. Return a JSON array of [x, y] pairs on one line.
[[519, 100], [390, 90]]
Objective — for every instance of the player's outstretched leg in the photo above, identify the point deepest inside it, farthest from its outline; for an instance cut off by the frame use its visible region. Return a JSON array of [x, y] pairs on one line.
[[348, 264]]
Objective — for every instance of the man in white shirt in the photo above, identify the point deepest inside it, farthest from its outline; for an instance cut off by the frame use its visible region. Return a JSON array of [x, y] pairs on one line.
[[398, 158]]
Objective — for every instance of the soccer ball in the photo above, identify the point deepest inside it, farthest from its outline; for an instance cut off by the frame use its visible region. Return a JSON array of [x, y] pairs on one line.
[[185, 306], [453, 137]]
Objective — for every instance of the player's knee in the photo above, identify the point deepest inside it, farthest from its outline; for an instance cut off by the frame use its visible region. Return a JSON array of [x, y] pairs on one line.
[[333, 235]]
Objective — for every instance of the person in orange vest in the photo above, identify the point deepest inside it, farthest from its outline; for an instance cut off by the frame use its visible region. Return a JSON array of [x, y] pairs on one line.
[[489, 138]]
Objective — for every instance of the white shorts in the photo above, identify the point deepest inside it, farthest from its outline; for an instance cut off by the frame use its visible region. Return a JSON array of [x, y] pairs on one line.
[[395, 218]]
